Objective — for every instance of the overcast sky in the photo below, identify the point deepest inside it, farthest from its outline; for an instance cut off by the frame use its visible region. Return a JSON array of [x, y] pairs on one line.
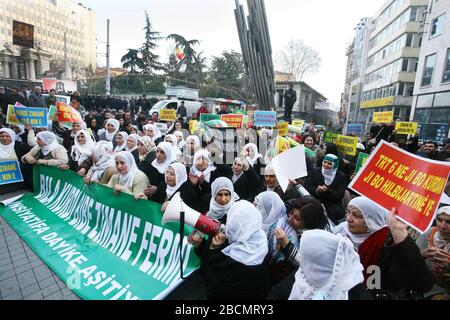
[[326, 25]]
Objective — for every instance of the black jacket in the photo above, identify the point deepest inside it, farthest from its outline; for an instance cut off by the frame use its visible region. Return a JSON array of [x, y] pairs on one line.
[[245, 186], [187, 193], [146, 163]]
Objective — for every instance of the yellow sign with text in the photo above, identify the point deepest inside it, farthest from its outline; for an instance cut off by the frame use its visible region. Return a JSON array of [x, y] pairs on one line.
[[298, 123], [283, 128], [385, 102], [347, 145], [193, 126], [168, 115], [383, 117], [406, 127]]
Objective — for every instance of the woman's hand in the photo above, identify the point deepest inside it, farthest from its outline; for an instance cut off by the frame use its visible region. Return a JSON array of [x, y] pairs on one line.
[[118, 188], [293, 182], [30, 159], [62, 167], [399, 229], [193, 179], [217, 241], [164, 206], [82, 172], [281, 237], [150, 191], [195, 238], [87, 180], [42, 162], [321, 189], [140, 197], [201, 179]]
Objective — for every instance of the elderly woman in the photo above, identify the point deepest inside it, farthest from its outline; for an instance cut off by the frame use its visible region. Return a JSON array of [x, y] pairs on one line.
[[253, 157], [382, 240], [81, 153], [130, 179], [151, 131], [104, 166], [192, 146], [181, 144], [112, 128], [233, 266], [270, 182], [172, 139], [47, 151], [434, 246], [132, 143], [68, 136], [158, 167], [244, 179], [328, 184], [121, 141], [145, 153]]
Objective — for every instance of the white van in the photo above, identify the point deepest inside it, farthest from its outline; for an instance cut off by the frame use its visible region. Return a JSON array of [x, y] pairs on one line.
[[191, 106]]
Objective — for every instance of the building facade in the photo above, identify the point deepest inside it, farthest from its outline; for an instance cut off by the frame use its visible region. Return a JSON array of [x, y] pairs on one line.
[[390, 64], [61, 28], [431, 103]]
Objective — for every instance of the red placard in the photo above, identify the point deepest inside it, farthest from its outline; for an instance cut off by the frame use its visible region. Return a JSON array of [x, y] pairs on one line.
[[393, 177], [233, 120], [66, 113]]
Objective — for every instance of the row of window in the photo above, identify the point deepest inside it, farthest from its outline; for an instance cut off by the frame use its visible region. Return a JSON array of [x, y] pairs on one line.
[[390, 29], [387, 72], [404, 89], [388, 12], [430, 66]]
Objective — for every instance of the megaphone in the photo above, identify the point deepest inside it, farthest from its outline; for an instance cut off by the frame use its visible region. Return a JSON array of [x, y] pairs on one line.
[[191, 217]]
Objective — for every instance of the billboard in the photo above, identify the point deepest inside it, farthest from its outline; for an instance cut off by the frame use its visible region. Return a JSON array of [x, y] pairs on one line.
[[59, 85], [23, 34]]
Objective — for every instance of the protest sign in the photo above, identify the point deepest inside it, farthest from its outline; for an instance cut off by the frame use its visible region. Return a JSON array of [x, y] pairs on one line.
[[168, 115], [393, 177], [59, 85], [66, 113], [205, 117], [193, 126], [298, 123], [89, 236], [356, 129], [383, 117], [406, 127], [283, 128], [291, 164], [10, 172], [265, 119], [362, 158], [347, 145], [51, 112], [162, 127], [11, 117], [37, 117], [330, 137], [233, 120]]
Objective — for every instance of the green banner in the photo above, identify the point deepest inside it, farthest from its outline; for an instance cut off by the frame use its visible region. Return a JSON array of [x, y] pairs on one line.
[[362, 158], [205, 117], [103, 246]]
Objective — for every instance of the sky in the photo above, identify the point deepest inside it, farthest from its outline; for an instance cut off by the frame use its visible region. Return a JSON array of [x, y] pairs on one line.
[[326, 25]]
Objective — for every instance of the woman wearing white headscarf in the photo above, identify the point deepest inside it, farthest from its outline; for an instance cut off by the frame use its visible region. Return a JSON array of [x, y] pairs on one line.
[[132, 143], [47, 151], [192, 146], [67, 135], [171, 138], [157, 170], [382, 240], [104, 166], [81, 151], [112, 128], [434, 246], [151, 131], [181, 144], [233, 266], [130, 179], [145, 153], [10, 149], [330, 270], [121, 141], [245, 179], [253, 157]]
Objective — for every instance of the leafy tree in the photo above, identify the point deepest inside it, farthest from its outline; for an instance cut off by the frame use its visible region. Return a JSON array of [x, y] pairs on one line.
[[149, 58], [132, 61]]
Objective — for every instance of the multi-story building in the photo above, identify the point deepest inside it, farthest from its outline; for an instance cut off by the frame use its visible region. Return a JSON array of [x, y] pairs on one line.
[[431, 103], [62, 28], [393, 52]]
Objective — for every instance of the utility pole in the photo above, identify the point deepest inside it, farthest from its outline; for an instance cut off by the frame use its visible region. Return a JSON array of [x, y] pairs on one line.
[[65, 57], [108, 73]]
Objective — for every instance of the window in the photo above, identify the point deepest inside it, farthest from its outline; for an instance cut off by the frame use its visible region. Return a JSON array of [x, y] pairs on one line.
[[437, 25], [425, 101], [428, 71], [422, 115], [446, 75], [442, 99]]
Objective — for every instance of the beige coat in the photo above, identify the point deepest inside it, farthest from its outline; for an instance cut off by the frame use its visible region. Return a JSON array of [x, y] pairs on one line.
[[140, 183], [55, 158]]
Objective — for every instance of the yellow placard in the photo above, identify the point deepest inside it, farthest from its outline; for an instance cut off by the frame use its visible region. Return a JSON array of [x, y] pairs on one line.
[[298, 123], [193, 126], [283, 128], [168, 115], [347, 145], [406, 127], [383, 117], [385, 102], [11, 117]]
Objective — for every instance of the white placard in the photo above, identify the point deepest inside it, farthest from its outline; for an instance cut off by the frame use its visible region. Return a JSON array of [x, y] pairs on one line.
[[291, 164]]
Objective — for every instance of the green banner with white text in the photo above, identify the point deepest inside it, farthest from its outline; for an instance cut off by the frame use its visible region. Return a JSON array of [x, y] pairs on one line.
[[103, 246]]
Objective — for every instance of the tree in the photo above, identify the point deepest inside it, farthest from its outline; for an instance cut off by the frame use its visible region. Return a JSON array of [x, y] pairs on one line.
[[299, 59], [132, 61], [186, 46], [148, 57]]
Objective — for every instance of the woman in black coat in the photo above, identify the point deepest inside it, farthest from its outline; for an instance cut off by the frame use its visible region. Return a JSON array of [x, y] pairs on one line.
[[328, 185]]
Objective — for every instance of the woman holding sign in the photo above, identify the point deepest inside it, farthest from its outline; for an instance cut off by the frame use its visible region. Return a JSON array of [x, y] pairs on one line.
[[47, 152]]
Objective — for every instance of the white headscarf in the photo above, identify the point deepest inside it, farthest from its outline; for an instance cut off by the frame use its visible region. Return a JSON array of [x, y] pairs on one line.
[[253, 160], [22, 131], [207, 172], [180, 178], [182, 143], [196, 141], [330, 175], [216, 211], [156, 133], [329, 267], [124, 144], [375, 218], [135, 138], [116, 124], [247, 241], [7, 150], [273, 212], [80, 152], [236, 177], [127, 179], [50, 141], [168, 150], [174, 142], [103, 153]]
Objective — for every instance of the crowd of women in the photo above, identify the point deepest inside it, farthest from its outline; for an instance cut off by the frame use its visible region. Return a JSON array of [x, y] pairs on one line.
[[330, 244]]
